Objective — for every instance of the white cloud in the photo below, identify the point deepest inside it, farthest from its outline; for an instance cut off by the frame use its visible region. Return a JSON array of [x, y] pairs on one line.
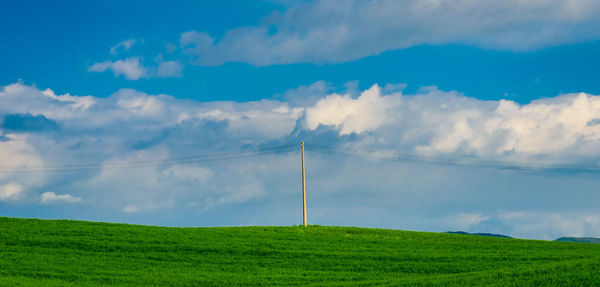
[[549, 126], [141, 105], [337, 31], [130, 68], [169, 69], [23, 99], [447, 122], [11, 191], [51, 197], [19, 152], [431, 121], [146, 207], [83, 103], [125, 45], [131, 209], [134, 126], [134, 69], [195, 43], [367, 112]]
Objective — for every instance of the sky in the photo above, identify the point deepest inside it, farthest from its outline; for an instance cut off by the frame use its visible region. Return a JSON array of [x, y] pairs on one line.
[[110, 82]]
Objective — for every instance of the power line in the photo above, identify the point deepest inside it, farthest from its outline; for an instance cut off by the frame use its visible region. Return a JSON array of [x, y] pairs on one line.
[[323, 149], [454, 161], [150, 163]]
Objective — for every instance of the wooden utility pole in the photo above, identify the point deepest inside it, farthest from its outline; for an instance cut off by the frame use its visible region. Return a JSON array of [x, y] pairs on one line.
[[303, 188]]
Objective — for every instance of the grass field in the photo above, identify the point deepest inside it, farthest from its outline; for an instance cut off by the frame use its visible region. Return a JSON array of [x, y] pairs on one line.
[[76, 253]]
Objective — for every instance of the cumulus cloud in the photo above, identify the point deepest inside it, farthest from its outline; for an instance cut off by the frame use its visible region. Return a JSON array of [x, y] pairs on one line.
[[77, 103], [134, 69], [125, 45], [133, 126], [367, 112], [434, 121], [10, 191], [169, 69], [338, 31], [141, 105], [51, 197], [550, 126], [18, 151], [130, 68]]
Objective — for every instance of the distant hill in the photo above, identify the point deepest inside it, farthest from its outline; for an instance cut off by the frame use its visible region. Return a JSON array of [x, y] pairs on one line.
[[579, 239], [479, 234]]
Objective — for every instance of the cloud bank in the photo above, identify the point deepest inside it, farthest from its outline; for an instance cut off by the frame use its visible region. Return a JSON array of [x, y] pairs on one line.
[[339, 31], [45, 129]]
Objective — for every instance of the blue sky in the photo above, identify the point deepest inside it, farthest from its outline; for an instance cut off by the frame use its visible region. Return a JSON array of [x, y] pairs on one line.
[[114, 81], [52, 45]]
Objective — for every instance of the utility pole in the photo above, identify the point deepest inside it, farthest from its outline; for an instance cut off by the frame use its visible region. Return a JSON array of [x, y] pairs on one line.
[[303, 188]]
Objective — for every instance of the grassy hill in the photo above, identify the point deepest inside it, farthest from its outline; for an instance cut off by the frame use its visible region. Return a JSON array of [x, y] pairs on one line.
[[76, 253]]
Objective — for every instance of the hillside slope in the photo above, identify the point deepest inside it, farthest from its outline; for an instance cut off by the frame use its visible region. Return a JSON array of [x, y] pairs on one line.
[[75, 253]]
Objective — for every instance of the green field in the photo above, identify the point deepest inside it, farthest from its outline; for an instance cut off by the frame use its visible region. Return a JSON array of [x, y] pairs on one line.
[[77, 253]]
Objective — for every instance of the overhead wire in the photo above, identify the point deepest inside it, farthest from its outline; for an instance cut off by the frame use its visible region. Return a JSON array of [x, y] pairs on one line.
[[149, 163], [454, 161], [318, 148]]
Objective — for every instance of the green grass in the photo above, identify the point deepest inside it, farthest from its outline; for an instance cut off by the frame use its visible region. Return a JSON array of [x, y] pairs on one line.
[[76, 253]]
